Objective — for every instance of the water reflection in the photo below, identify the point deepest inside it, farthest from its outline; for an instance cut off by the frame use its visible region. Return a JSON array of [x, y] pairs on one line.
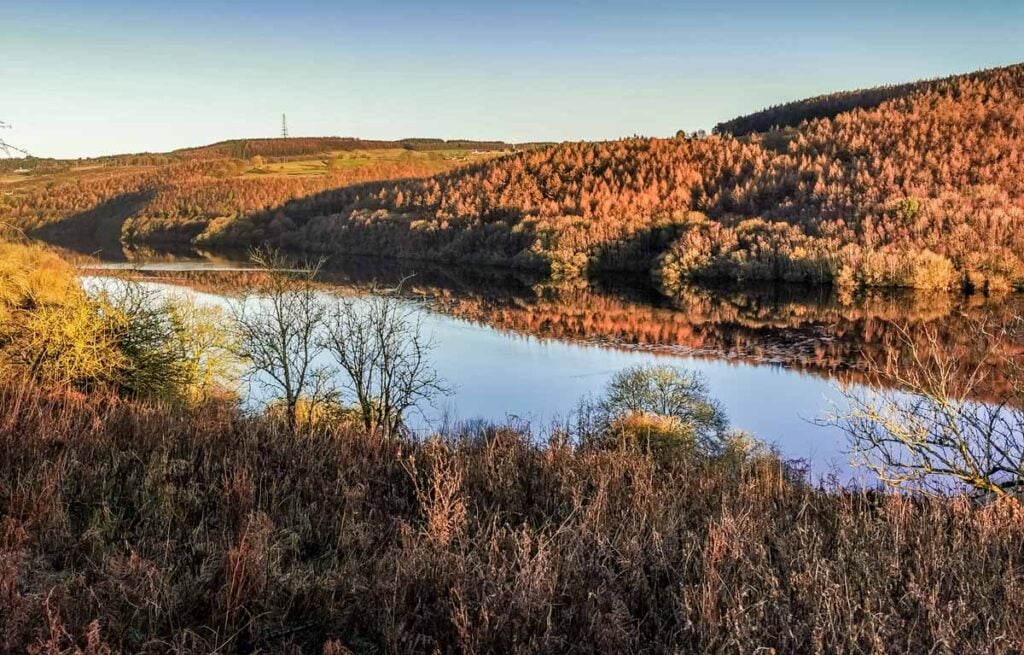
[[515, 345], [812, 330]]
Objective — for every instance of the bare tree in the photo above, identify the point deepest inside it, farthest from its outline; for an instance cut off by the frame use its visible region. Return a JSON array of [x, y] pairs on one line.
[[920, 425], [379, 344], [278, 322]]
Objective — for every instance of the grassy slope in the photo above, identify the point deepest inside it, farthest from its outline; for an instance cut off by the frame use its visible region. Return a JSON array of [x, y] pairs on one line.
[[151, 530]]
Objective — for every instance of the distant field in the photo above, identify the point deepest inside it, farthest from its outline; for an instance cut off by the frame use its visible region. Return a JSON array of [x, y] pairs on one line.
[[436, 160], [12, 182], [175, 196]]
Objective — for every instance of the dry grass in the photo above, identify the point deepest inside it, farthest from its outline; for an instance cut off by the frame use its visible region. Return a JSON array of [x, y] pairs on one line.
[[133, 528]]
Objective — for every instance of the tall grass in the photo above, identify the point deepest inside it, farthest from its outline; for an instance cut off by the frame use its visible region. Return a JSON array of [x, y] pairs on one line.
[[133, 527]]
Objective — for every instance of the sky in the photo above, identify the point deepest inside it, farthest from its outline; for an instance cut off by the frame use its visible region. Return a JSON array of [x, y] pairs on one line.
[[111, 76]]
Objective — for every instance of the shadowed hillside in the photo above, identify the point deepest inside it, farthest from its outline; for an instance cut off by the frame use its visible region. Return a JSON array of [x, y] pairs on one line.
[[173, 199], [830, 105], [917, 186], [924, 191]]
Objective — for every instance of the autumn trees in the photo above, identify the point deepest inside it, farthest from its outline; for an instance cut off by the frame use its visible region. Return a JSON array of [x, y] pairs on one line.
[[917, 185], [910, 186]]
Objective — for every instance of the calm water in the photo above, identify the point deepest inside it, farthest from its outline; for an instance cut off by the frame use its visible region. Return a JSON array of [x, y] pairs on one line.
[[516, 347]]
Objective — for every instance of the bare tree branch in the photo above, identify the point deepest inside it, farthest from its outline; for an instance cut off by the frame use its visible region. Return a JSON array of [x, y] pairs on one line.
[[379, 343], [278, 324], [916, 427]]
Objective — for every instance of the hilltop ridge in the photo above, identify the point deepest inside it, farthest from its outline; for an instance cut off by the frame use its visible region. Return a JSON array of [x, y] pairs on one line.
[[830, 105]]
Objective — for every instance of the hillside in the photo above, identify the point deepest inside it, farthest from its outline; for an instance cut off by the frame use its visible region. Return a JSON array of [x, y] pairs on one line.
[[923, 190], [172, 197], [918, 185], [298, 146]]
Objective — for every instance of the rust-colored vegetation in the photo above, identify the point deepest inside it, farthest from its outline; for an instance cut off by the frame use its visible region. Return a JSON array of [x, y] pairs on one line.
[[922, 189], [173, 197], [141, 529], [916, 185]]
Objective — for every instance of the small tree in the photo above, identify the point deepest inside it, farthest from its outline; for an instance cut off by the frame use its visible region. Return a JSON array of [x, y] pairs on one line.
[[918, 424], [669, 406], [140, 321], [277, 326], [379, 344], [203, 349]]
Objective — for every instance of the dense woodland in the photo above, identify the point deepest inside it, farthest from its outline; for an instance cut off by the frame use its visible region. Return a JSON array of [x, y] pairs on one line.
[[923, 190], [917, 185]]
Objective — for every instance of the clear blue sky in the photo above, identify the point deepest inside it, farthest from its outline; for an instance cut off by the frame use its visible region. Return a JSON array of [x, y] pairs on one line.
[[103, 76]]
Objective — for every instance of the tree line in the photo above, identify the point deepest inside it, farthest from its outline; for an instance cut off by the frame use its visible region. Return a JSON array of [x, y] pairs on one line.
[[921, 189]]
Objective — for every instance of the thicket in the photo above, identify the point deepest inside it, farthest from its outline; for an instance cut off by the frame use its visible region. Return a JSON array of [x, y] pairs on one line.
[[120, 339]]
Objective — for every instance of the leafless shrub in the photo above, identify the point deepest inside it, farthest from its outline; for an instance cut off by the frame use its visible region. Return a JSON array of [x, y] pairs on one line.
[[916, 426], [379, 343]]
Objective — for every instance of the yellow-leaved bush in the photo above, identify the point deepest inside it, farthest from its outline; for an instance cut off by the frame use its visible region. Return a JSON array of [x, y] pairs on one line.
[[125, 340]]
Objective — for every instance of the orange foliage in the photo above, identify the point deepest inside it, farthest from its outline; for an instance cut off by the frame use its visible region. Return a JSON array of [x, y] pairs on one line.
[[912, 186], [922, 190]]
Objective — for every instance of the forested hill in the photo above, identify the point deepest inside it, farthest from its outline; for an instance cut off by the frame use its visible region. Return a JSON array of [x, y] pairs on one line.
[[830, 105], [97, 204], [923, 190]]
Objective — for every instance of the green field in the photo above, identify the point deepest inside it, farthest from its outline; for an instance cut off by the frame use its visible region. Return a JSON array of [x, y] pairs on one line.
[[352, 159]]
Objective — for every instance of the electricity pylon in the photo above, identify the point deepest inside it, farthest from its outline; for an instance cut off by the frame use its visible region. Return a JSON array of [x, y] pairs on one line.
[[7, 148]]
